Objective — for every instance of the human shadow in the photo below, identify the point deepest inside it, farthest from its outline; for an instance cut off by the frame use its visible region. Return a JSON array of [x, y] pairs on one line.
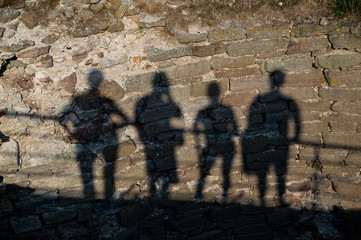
[[89, 121], [154, 113], [216, 122], [265, 142], [3, 138]]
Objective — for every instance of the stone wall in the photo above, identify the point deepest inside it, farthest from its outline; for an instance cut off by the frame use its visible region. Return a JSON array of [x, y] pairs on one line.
[[259, 120]]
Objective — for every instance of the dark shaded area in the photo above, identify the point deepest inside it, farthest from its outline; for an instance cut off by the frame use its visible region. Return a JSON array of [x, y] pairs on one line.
[[5, 64], [3, 138], [89, 120], [154, 114], [217, 123], [29, 214], [41, 214], [265, 141]]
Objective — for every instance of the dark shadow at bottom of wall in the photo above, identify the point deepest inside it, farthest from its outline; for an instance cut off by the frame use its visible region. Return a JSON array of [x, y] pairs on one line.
[[28, 214]]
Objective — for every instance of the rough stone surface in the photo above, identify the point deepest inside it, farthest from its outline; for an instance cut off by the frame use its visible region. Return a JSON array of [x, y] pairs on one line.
[[158, 54], [97, 7], [58, 215], [268, 32], [113, 61], [343, 127], [47, 61], [352, 43], [25, 224], [299, 187], [242, 98], [300, 93], [353, 158], [219, 62], [347, 187], [34, 52], [16, 47], [227, 34], [347, 79], [249, 83], [201, 89], [112, 90], [184, 37], [350, 107], [151, 21], [123, 7], [343, 139], [208, 50], [340, 117], [116, 27], [308, 30], [29, 19], [340, 94], [251, 47], [8, 14], [9, 156], [334, 157], [142, 81], [68, 83], [306, 78], [186, 70], [309, 44], [289, 63], [355, 29], [237, 72], [126, 148], [51, 38], [339, 59], [87, 31]]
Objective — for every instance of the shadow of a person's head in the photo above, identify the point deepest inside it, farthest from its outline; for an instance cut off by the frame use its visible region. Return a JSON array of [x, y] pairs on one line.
[[160, 80], [277, 79], [95, 79], [214, 92]]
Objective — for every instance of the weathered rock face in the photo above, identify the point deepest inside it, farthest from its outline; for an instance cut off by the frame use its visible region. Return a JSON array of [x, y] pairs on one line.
[[114, 126]]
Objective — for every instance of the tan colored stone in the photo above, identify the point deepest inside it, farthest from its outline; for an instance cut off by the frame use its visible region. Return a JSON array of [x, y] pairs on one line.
[[208, 50], [299, 93], [68, 83], [29, 19], [343, 127], [346, 42], [347, 107], [339, 59], [348, 79], [112, 90], [268, 32], [310, 44], [251, 47], [242, 98], [219, 62], [340, 94], [250, 82], [343, 140], [187, 70], [308, 30], [201, 89], [237, 72], [184, 37], [227, 34], [289, 63]]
